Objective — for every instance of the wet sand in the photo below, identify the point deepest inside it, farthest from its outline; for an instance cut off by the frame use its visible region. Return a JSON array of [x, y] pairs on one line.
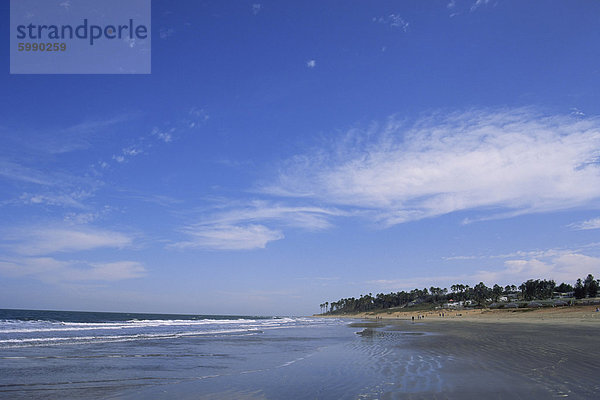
[[471, 360], [493, 354]]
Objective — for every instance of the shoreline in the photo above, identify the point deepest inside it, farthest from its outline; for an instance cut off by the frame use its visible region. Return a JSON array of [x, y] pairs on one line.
[[579, 314]]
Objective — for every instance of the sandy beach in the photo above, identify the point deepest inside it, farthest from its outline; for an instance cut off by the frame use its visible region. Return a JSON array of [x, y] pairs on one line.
[[584, 314]]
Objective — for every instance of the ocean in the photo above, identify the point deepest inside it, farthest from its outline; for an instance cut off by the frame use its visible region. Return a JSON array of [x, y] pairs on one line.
[[82, 355]]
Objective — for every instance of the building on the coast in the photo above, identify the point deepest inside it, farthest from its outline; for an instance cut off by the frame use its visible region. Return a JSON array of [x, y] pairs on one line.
[[454, 304], [458, 304], [563, 295], [512, 296]]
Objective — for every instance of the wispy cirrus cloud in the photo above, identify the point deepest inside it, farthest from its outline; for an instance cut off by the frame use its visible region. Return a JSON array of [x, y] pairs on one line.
[[394, 21], [78, 136], [499, 163], [44, 240], [127, 152], [251, 225], [530, 254], [193, 118], [494, 163], [69, 199], [164, 135], [306, 217], [35, 169], [41, 185], [593, 223], [53, 254], [83, 218], [17, 172], [479, 3], [228, 237], [52, 270]]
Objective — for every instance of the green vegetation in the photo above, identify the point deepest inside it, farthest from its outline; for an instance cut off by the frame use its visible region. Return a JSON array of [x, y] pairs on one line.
[[480, 295], [587, 288]]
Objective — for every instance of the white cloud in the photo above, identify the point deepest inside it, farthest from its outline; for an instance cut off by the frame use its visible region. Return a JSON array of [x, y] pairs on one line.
[[78, 136], [126, 153], [71, 200], [17, 172], [84, 218], [132, 151], [307, 217], [229, 237], [113, 271], [51, 270], [256, 7], [451, 4], [501, 163], [81, 218], [197, 116], [562, 268], [164, 135], [567, 267], [33, 251], [239, 226], [460, 258], [478, 4], [559, 264], [531, 254], [593, 223], [577, 112], [45, 240], [47, 186], [311, 63], [21, 173], [394, 21]]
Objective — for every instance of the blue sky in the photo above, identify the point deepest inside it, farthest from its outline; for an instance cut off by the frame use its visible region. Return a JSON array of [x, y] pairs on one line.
[[283, 154]]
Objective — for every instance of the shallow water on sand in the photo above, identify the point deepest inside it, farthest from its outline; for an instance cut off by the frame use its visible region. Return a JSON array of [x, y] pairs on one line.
[[216, 357]]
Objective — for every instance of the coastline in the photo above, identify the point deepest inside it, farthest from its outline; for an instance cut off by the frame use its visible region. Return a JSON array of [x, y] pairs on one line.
[[579, 314], [358, 357]]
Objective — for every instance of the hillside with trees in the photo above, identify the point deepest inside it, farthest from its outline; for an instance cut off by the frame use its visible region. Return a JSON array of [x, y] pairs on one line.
[[479, 295]]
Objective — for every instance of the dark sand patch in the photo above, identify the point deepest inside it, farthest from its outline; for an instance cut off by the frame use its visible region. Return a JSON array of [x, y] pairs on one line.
[[367, 324]]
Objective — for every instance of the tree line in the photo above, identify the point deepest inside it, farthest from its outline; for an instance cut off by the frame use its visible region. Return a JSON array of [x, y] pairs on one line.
[[480, 295]]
